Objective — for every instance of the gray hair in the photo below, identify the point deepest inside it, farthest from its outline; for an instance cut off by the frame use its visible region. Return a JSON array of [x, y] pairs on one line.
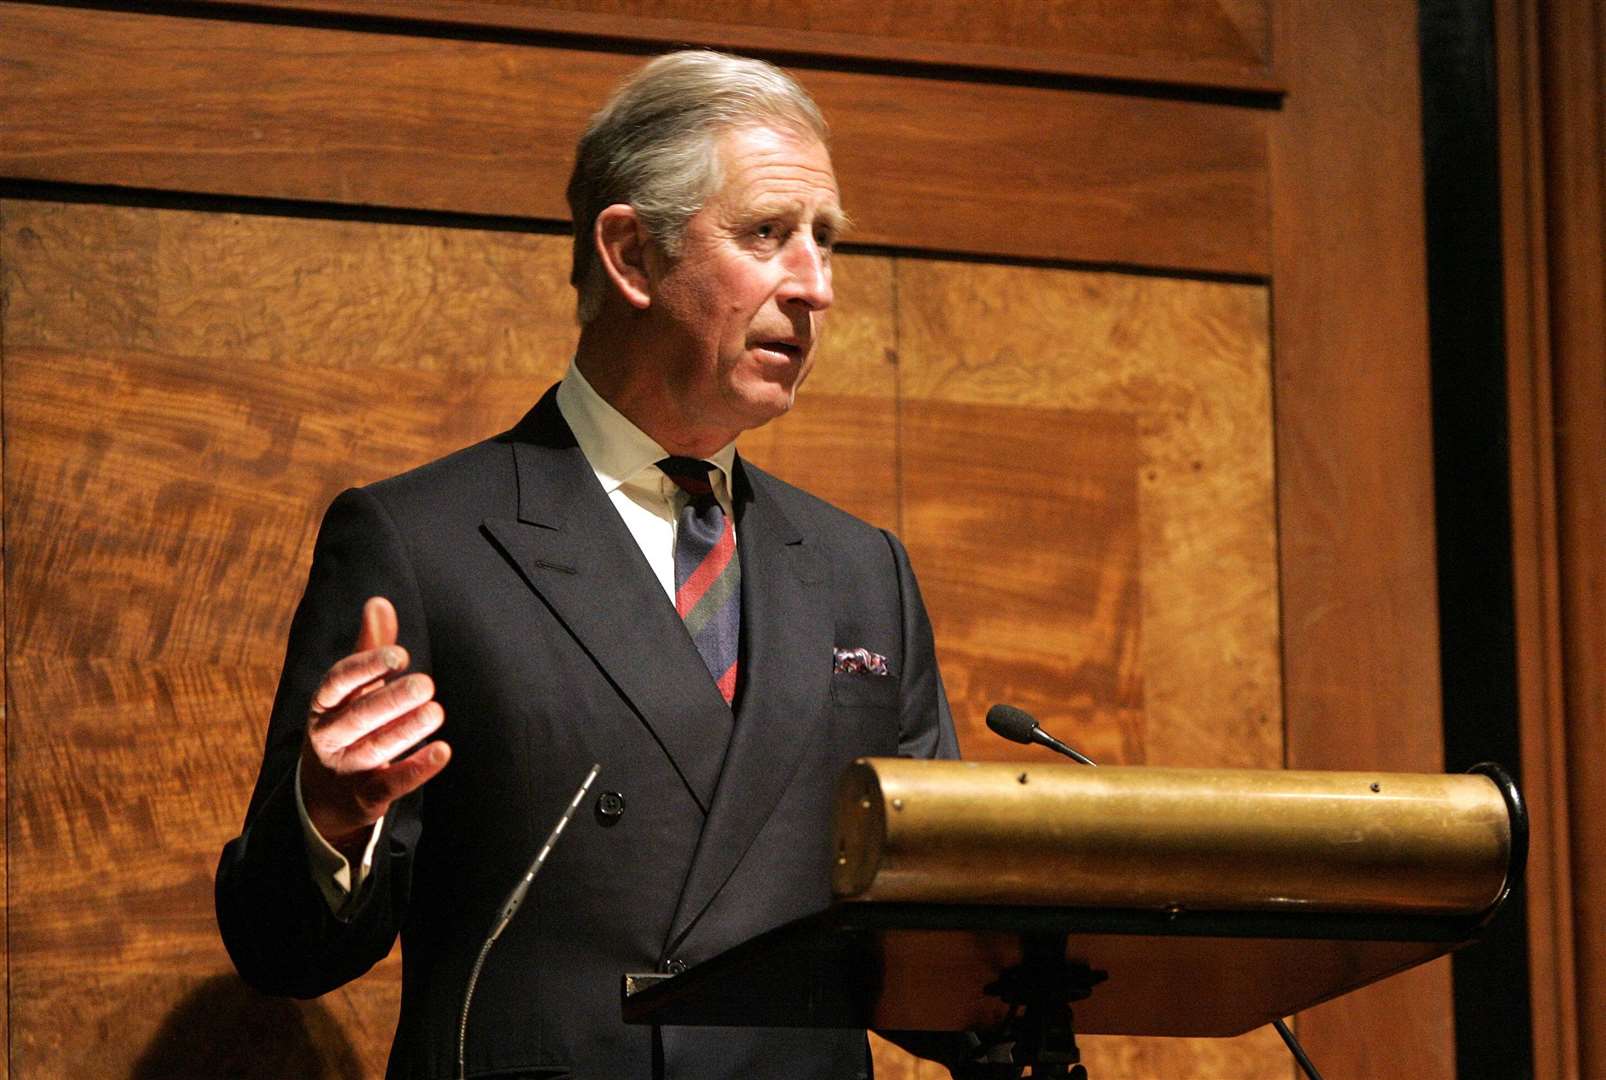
[[653, 146]]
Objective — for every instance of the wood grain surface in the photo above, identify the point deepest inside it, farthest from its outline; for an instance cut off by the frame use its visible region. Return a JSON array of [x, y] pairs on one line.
[[1354, 458], [1552, 181], [299, 292], [1536, 571], [1575, 80], [1023, 526], [1047, 173], [5, 701], [1186, 364], [1224, 44], [843, 449], [161, 504], [212, 106], [893, 1063], [163, 507], [130, 775]]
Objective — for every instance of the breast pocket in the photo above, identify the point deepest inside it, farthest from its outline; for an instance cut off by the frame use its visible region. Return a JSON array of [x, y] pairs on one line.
[[866, 707]]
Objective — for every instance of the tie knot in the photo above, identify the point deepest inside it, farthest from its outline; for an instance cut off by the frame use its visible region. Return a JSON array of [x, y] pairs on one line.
[[690, 474]]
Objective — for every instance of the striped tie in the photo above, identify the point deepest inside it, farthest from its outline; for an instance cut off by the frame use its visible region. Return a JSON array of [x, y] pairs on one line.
[[708, 575]]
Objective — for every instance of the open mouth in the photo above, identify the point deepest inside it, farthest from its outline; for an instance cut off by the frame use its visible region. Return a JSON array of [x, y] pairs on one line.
[[787, 349]]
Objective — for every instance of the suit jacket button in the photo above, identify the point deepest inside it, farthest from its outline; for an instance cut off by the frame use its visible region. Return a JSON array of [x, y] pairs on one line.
[[674, 967], [610, 807]]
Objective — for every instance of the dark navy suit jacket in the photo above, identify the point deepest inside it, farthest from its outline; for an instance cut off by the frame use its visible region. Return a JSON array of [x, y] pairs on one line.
[[553, 646]]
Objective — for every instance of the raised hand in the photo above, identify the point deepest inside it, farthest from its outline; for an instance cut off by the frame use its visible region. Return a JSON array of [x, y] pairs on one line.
[[363, 716]]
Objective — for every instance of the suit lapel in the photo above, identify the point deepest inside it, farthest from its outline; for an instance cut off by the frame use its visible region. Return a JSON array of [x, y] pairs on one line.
[[786, 670], [571, 546]]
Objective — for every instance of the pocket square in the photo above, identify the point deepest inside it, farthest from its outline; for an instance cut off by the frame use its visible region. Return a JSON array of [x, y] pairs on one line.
[[858, 662]]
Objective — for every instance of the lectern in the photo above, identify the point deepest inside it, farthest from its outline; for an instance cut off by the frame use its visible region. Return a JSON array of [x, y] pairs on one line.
[[1024, 903]]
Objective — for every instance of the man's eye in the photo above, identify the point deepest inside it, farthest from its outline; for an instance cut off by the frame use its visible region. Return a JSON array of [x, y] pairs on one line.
[[767, 231]]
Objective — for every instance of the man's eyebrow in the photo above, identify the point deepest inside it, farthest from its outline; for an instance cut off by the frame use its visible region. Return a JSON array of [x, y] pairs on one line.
[[832, 217], [836, 220]]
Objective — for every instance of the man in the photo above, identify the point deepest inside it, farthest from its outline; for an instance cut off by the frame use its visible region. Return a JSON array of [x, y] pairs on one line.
[[585, 588]]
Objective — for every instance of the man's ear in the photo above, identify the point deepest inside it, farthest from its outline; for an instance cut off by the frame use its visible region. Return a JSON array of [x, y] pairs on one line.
[[622, 245]]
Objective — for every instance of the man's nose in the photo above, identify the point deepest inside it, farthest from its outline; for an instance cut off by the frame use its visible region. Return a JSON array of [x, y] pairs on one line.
[[808, 274]]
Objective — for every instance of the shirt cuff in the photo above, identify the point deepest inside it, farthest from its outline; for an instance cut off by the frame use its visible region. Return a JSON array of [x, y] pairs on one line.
[[330, 869]]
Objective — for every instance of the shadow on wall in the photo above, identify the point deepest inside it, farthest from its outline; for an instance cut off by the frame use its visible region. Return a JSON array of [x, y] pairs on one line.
[[224, 1030]]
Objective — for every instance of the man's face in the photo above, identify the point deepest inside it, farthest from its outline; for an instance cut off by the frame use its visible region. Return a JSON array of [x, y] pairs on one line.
[[744, 301]]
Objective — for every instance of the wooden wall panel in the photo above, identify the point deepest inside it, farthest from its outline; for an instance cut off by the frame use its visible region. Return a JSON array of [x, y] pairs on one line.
[[162, 515], [1575, 76], [1224, 43], [1088, 498], [130, 778], [1553, 179], [252, 447], [1024, 527], [488, 128], [162, 512], [1053, 174], [213, 467], [1187, 364], [1537, 580], [5, 709], [1354, 459], [159, 513], [293, 112], [306, 291]]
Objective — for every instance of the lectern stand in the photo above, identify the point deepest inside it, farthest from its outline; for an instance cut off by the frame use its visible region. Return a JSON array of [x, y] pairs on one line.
[[988, 898]]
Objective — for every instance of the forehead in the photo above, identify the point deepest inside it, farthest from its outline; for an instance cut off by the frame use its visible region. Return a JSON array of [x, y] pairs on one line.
[[769, 165]]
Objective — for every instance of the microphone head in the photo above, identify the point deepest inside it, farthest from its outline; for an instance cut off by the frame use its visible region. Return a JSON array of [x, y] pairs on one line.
[[1014, 724]]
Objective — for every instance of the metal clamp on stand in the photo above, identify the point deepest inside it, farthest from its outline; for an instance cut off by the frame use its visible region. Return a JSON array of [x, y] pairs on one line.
[[1039, 1030]]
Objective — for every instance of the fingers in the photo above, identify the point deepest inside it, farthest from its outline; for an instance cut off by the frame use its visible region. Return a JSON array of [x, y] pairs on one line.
[[374, 656], [359, 722], [376, 748], [352, 674], [385, 785], [343, 808], [378, 625], [334, 733]]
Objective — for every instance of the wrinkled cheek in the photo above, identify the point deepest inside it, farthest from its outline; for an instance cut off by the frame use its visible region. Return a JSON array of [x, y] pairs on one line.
[[804, 371]]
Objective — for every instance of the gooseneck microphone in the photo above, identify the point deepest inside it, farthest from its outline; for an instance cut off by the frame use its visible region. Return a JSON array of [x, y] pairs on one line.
[[1017, 725], [510, 906]]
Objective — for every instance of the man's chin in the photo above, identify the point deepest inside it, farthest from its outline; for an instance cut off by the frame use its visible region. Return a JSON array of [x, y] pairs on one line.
[[774, 402]]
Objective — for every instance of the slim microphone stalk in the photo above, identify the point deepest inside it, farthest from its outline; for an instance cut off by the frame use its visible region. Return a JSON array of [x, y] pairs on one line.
[[1045, 739], [510, 906]]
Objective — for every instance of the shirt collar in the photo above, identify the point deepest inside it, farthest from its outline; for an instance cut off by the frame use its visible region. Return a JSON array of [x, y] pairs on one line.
[[616, 449]]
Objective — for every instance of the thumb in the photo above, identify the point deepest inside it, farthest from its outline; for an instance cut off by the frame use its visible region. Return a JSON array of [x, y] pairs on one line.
[[378, 624]]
